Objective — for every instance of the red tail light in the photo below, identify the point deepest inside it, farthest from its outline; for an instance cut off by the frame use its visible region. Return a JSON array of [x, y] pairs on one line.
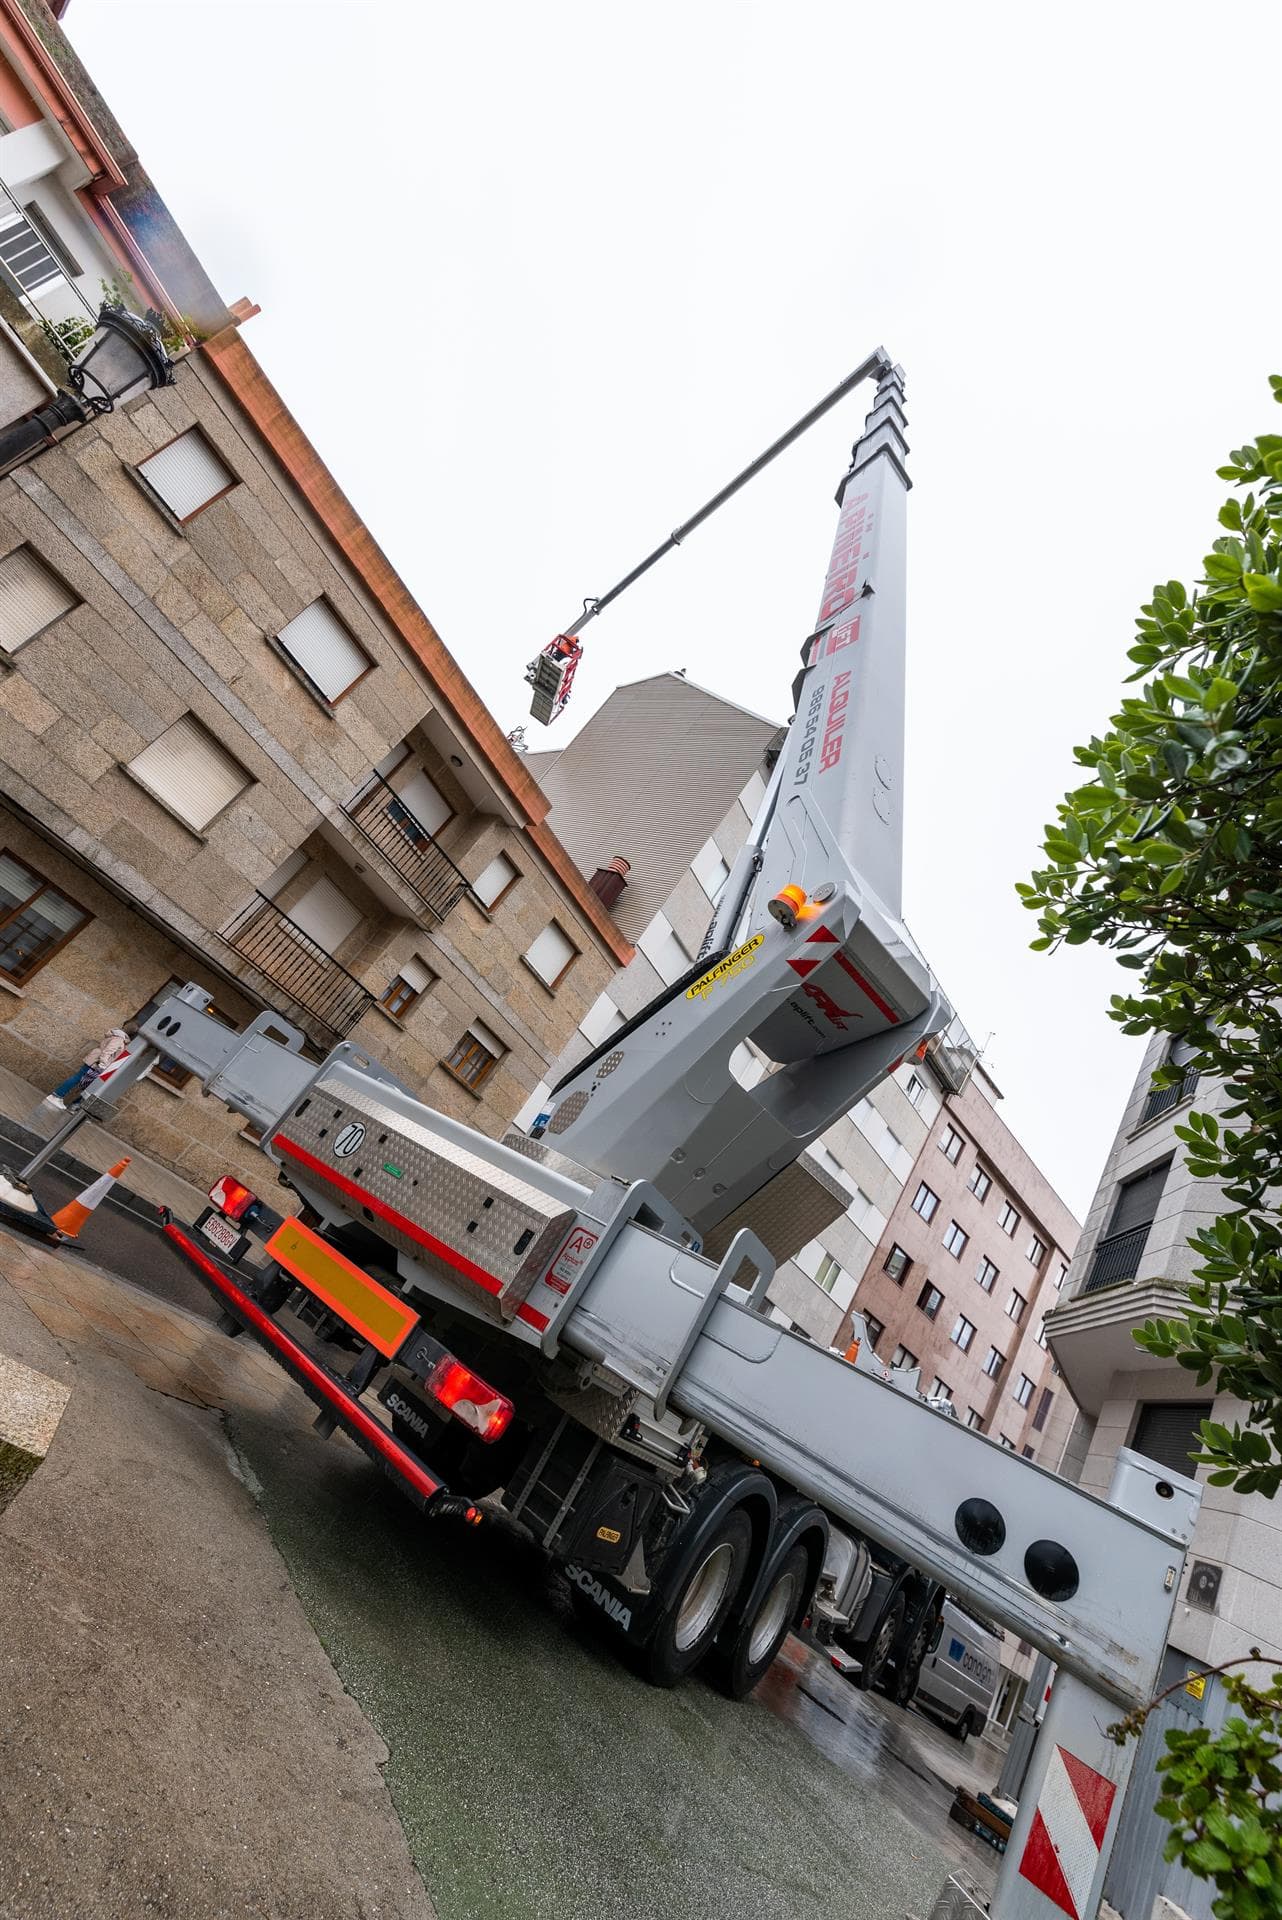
[[469, 1398], [232, 1200]]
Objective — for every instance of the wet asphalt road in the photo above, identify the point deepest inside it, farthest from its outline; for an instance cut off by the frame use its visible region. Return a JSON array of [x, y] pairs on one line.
[[538, 1779]]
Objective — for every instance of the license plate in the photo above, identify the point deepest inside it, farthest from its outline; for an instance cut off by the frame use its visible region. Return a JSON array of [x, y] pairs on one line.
[[221, 1234]]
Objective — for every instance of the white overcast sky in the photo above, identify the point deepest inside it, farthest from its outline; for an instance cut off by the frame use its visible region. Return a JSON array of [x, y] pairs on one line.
[[538, 278]]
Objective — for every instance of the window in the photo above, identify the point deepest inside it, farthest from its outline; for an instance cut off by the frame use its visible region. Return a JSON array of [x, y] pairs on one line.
[[409, 985], [600, 1020], [474, 1056], [496, 881], [1044, 1406], [31, 598], [1062, 1275], [419, 809], [31, 256], [941, 1389], [975, 1419], [1040, 1335], [324, 652], [551, 956], [827, 1274], [902, 1357], [663, 950], [963, 1333], [1168, 1431], [930, 1300], [1022, 1391], [325, 914], [1008, 1219], [915, 1088], [950, 1145], [987, 1274], [1036, 1250], [896, 1264], [979, 1184], [955, 1240], [188, 772], [187, 474], [925, 1202], [1015, 1306], [875, 1330], [35, 920], [1117, 1255], [994, 1364], [1008, 1444], [1028, 1453], [710, 868]]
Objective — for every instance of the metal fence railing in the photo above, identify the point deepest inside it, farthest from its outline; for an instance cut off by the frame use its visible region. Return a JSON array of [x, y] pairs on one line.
[[325, 998], [1162, 1099], [1117, 1258], [379, 813]]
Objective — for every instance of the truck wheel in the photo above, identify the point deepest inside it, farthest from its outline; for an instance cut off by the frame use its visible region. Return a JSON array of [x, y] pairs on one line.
[[965, 1727], [908, 1670], [693, 1613], [736, 1669], [879, 1647]]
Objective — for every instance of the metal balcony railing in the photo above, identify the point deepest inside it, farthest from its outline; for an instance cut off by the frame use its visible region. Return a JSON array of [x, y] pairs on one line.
[[325, 999], [379, 813], [1117, 1258], [1162, 1099]]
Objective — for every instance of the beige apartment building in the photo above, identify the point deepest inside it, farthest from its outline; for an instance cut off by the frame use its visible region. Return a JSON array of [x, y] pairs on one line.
[[232, 747]]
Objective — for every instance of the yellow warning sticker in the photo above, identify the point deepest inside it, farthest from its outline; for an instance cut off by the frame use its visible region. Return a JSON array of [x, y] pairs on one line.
[[734, 963], [1196, 1685]]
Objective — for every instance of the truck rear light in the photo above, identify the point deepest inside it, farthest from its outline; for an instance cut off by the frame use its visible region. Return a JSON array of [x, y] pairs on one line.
[[469, 1398], [233, 1201]]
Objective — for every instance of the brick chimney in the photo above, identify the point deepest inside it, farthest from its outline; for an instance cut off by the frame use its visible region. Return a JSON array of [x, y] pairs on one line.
[[607, 883]]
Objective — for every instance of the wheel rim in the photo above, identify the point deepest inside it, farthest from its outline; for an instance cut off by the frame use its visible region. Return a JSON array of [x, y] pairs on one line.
[[773, 1617], [703, 1595], [882, 1644]]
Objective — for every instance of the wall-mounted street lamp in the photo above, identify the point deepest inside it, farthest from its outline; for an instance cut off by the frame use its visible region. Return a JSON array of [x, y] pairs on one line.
[[125, 356]]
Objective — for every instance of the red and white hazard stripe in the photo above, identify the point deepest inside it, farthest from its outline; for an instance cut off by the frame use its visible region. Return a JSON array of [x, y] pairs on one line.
[[1062, 1851]]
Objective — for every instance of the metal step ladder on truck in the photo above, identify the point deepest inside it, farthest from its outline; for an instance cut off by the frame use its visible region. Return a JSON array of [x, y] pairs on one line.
[[536, 1320]]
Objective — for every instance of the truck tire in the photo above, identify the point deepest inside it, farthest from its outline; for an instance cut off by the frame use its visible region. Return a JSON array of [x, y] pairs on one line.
[[908, 1670], [881, 1645], [737, 1668], [964, 1728], [699, 1602]]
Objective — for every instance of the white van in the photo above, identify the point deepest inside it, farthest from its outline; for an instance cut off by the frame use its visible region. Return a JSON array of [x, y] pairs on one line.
[[960, 1673]]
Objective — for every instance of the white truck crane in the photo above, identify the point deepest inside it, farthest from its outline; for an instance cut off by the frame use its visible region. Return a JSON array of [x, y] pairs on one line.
[[535, 1321]]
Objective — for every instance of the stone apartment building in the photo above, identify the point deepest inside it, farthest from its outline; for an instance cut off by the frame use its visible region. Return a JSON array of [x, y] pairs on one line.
[[971, 1260], [1134, 1264], [232, 747]]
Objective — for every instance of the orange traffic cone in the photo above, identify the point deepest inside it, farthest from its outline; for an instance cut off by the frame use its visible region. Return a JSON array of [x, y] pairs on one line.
[[72, 1217]]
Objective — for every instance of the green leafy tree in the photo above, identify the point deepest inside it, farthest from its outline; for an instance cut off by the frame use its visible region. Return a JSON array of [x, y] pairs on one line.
[[1171, 855]]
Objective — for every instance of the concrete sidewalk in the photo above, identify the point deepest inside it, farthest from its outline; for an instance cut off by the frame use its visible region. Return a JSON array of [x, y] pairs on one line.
[[173, 1738]]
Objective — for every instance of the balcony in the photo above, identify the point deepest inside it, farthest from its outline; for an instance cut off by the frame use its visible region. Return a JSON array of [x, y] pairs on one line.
[[1162, 1099], [319, 994], [1116, 1259], [1092, 1336], [382, 818]]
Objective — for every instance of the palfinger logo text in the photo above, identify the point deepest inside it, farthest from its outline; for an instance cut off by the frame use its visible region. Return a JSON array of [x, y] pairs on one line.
[[726, 969]]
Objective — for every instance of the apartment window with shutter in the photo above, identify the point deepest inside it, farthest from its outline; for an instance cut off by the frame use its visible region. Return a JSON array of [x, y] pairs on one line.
[[325, 914], [32, 597], [419, 809], [1043, 1409], [1036, 1250], [963, 1333], [35, 920], [896, 1264], [187, 474], [496, 881], [409, 985], [1015, 1306], [30, 254], [950, 1145], [827, 1273], [930, 1300], [955, 1240], [1169, 1431], [474, 1057], [987, 1274], [1022, 1390], [1008, 1219], [979, 1184], [330, 660], [188, 772], [925, 1201], [994, 1363], [551, 956]]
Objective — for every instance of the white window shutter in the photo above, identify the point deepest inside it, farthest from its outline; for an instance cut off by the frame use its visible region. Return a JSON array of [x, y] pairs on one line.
[[416, 975], [490, 1041], [190, 772], [187, 474], [550, 954], [325, 914], [320, 644], [30, 598], [426, 802], [496, 879]]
